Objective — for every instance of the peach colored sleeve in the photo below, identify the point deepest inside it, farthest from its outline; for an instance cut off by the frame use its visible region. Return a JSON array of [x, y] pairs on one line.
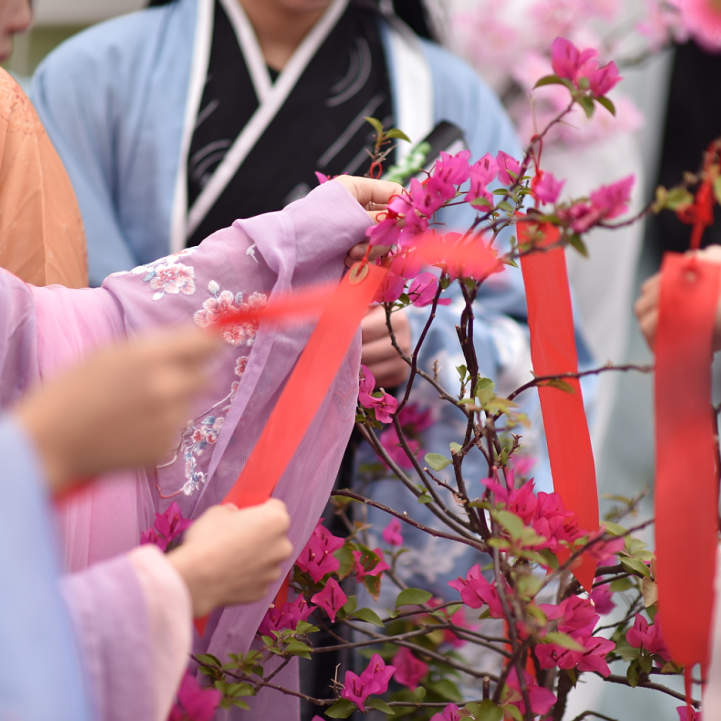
[[42, 240], [170, 617]]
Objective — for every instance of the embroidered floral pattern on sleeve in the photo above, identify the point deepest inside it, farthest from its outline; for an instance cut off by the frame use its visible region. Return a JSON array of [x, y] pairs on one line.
[[223, 302], [167, 275]]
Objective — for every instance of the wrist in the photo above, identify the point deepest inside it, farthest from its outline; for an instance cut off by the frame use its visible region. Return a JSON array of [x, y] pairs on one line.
[[201, 595]]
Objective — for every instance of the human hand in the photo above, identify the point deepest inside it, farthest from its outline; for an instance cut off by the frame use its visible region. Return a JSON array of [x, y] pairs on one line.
[[379, 355], [121, 408], [232, 556], [646, 307]]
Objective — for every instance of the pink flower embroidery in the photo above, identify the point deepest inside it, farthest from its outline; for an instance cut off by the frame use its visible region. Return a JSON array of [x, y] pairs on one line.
[[409, 669], [173, 278]]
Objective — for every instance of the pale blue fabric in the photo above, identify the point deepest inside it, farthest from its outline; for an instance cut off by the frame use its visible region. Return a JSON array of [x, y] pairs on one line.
[[40, 673]]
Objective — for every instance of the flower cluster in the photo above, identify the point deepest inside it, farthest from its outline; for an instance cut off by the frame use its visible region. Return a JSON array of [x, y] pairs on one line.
[[167, 530], [383, 404], [374, 680]]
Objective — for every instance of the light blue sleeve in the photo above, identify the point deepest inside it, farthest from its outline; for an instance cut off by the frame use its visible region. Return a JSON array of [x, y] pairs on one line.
[[40, 672]]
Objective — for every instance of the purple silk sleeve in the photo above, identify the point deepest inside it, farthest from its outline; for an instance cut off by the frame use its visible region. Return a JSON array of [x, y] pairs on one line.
[[303, 245]]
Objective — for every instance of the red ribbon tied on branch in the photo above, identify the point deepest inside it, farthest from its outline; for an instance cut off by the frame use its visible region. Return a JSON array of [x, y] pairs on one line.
[[686, 474], [553, 352]]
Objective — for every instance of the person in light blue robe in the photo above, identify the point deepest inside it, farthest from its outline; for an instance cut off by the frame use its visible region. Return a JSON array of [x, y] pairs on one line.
[[40, 670], [121, 103]]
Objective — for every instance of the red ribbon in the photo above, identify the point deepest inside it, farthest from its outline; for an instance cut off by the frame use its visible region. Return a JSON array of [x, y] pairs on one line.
[[686, 474], [553, 351]]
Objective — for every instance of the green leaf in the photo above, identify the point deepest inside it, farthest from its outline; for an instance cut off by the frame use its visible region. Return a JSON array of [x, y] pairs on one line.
[[412, 597], [572, 675], [342, 708], [208, 659], [505, 205], [456, 447], [345, 557], [587, 104], [563, 640], [632, 674], [549, 558], [298, 648], [305, 628], [369, 615], [511, 522], [462, 372], [622, 584], [419, 694], [639, 568], [561, 385], [373, 584], [649, 591], [486, 711], [498, 543], [529, 585], [549, 80], [513, 712], [614, 529], [380, 705], [576, 242], [350, 605], [607, 103], [397, 134], [645, 662], [425, 498], [447, 689], [626, 651], [678, 197], [436, 461], [378, 127]]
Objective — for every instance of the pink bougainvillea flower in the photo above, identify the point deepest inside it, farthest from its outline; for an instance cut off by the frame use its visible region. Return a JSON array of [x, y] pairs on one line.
[[390, 441], [409, 669], [317, 557], [594, 657], [367, 384], [602, 598], [368, 566], [331, 599], [392, 533], [426, 198], [374, 680], [322, 178], [605, 550], [457, 619], [476, 591], [452, 169], [385, 407], [702, 19], [450, 713], [391, 289], [644, 635], [604, 79], [571, 63], [287, 615], [685, 715], [573, 614], [167, 529], [546, 188], [541, 699], [385, 232], [423, 290], [612, 200], [505, 164], [521, 501], [484, 170], [406, 264], [193, 702]]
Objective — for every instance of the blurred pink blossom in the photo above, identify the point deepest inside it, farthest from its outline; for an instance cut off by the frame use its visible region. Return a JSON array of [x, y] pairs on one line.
[[193, 702], [702, 19], [392, 533], [287, 615], [317, 557], [409, 669]]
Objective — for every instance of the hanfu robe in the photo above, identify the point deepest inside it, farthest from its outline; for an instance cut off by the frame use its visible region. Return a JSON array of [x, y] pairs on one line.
[[36, 199], [44, 329]]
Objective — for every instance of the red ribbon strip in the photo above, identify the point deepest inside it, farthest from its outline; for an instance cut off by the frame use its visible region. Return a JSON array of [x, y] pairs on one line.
[[307, 386], [553, 351], [686, 475]]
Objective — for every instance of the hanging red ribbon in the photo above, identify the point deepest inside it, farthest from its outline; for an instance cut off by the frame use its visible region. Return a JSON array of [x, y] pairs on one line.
[[553, 352], [686, 475]]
